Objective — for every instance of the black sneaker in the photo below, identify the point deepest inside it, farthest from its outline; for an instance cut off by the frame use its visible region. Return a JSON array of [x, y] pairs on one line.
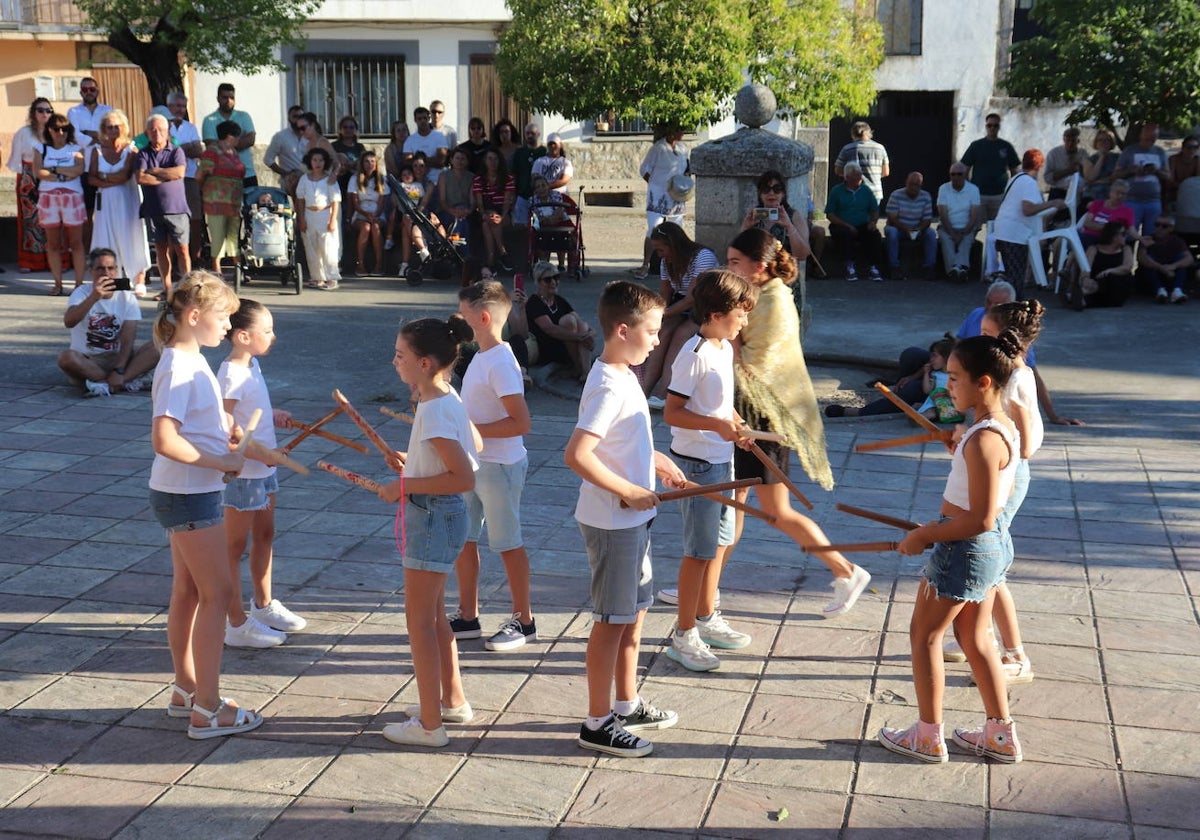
[[512, 634], [465, 628], [647, 717], [614, 739]]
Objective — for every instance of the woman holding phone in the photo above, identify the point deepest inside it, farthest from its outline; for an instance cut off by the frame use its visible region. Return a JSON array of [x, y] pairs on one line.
[[774, 215]]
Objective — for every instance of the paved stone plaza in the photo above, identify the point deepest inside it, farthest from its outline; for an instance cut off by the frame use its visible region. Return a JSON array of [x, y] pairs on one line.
[[1107, 583]]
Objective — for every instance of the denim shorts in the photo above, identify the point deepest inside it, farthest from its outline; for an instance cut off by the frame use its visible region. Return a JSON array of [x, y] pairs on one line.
[[1020, 488], [706, 524], [966, 570], [187, 511], [435, 531], [622, 582], [496, 499], [247, 494]]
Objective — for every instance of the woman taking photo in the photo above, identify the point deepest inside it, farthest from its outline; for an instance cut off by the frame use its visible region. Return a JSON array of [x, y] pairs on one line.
[[494, 192], [117, 223], [780, 220], [219, 177], [58, 165], [31, 238]]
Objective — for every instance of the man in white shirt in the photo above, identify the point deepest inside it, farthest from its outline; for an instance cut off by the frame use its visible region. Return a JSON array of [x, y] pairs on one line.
[[960, 213], [285, 155], [425, 139], [86, 118], [187, 137], [437, 118]]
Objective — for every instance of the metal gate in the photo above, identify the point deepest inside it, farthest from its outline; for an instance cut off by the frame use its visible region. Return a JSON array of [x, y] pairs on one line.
[[368, 88]]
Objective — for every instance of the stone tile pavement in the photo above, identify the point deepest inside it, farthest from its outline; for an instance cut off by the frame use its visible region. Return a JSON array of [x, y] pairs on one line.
[[1107, 584]]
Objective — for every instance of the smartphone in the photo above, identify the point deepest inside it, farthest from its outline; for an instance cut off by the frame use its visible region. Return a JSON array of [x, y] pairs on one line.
[[766, 214], [122, 284], [519, 281]]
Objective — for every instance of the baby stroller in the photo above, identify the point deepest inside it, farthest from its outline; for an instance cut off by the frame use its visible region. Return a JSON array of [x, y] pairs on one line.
[[445, 254], [556, 226], [268, 238]]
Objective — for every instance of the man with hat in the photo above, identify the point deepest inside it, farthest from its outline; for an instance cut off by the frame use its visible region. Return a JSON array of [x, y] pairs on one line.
[[668, 186]]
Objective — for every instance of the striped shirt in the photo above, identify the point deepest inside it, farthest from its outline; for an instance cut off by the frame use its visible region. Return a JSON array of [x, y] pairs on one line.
[[910, 211]]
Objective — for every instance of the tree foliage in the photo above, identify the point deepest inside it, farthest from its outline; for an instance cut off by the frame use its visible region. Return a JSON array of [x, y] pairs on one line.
[[681, 61], [1120, 62], [214, 35]]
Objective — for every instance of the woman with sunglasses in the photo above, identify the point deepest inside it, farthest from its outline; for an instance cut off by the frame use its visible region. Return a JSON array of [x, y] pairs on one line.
[[773, 214], [58, 165], [117, 223], [31, 238], [476, 146]]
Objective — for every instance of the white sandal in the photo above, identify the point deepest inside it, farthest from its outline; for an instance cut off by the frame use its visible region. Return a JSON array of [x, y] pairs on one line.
[[180, 711], [245, 721]]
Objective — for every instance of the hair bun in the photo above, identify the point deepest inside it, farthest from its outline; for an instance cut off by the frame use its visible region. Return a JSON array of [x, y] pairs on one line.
[[459, 329], [1010, 345]]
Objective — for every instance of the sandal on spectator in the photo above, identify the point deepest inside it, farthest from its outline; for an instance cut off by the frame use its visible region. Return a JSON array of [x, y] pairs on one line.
[[244, 721], [180, 710]]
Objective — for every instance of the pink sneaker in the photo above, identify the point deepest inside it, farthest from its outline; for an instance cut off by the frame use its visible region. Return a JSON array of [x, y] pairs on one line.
[[995, 739], [922, 741]]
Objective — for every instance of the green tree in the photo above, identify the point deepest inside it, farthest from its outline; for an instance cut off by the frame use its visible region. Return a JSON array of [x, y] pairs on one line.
[[159, 35], [1119, 62], [680, 61]]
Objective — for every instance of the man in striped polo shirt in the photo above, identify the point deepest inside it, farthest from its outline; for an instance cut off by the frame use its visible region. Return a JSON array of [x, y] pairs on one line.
[[909, 216]]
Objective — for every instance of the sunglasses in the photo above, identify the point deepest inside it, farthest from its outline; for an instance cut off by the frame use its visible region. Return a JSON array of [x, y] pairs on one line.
[[993, 125], [111, 127], [437, 113], [302, 126], [58, 128], [351, 126], [774, 188], [89, 90], [45, 110]]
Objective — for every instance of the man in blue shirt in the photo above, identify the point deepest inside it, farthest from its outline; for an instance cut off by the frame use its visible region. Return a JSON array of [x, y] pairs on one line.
[[226, 98], [853, 211]]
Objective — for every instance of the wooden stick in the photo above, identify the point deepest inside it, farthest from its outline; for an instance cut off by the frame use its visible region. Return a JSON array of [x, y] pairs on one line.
[[309, 430], [321, 433], [704, 490], [920, 419], [247, 435], [276, 458], [773, 437], [736, 505], [848, 547], [894, 521], [366, 427], [774, 469], [407, 418], [353, 478], [942, 435]]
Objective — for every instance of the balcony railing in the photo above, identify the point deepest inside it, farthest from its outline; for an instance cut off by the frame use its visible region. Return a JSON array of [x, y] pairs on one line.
[[41, 15]]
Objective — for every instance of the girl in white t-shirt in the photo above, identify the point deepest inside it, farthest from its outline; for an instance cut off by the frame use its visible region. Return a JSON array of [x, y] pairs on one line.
[[250, 498], [438, 468], [193, 441], [369, 221]]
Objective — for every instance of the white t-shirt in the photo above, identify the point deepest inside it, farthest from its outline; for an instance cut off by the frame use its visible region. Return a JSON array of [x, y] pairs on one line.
[[85, 120], [184, 133], [1012, 225], [186, 390], [368, 196], [63, 157], [958, 203], [429, 144], [247, 386], [553, 169], [1022, 390], [492, 375], [703, 375], [613, 408], [100, 330], [319, 193], [441, 417]]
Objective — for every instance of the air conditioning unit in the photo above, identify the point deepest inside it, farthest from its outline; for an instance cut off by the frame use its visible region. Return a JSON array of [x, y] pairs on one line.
[[68, 88]]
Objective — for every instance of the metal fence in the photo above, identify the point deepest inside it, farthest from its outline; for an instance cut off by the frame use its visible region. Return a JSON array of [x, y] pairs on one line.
[[368, 88], [55, 15]]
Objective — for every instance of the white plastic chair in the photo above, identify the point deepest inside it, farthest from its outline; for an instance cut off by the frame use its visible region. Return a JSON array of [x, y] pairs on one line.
[[1068, 240]]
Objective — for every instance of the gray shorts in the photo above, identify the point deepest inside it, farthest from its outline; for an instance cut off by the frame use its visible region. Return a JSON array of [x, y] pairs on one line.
[[622, 582], [172, 228], [706, 524]]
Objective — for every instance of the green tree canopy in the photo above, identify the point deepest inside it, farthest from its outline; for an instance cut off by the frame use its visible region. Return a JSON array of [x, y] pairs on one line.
[[680, 61], [1120, 62], [215, 35]]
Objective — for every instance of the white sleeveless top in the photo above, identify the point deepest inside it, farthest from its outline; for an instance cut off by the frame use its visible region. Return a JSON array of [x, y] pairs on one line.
[[957, 490]]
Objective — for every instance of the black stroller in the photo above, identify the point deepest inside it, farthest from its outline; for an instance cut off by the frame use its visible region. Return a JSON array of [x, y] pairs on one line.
[[445, 254]]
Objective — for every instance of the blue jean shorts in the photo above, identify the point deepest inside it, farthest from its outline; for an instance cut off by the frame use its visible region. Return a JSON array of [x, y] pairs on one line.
[[706, 524], [967, 570], [187, 511], [247, 494], [496, 500], [1020, 488], [622, 581], [435, 532]]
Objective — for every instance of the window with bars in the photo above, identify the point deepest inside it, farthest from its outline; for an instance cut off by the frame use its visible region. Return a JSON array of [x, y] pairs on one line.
[[901, 22], [369, 88]]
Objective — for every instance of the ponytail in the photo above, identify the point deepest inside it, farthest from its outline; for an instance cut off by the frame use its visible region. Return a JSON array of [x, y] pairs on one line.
[[762, 247], [200, 289], [437, 339]]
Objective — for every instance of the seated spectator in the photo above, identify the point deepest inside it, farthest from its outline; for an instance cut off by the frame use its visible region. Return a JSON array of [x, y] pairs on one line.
[[1183, 164], [852, 212], [910, 216], [919, 369], [1110, 282], [1112, 209], [476, 145], [780, 219], [367, 198], [411, 236], [393, 155], [433, 143], [494, 192], [104, 356], [456, 203], [554, 166], [554, 220], [563, 338], [1165, 262], [960, 214], [1144, 165], [507, 140], [1100, 170]]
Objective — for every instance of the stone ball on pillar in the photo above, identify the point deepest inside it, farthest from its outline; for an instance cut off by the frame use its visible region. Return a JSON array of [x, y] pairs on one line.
[[755, 105]]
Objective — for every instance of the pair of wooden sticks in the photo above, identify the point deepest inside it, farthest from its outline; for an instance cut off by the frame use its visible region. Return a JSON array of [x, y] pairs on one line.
[[274, 457], [883, 518], [390, 455], [933, 433]]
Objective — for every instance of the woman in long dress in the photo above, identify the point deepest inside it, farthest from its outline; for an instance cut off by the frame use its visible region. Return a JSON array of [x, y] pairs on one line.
[[31, 238], [117, 223]]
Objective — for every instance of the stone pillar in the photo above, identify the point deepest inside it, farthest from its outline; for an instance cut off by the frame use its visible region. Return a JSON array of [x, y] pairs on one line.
[[727, 169]]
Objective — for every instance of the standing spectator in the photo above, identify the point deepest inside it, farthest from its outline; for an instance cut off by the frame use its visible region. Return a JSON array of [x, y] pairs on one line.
[[852, 212], [284, 155], [187, 137], [494, 192], [960, 214], [910, 215], [476, 145], [554, 166], [507, 140], [220, 175], [348, 149], [226, 99], [317, 211], [1063, 162], [1017, 219], [992, 162], [1098, 172], [522, 171], [871, 157], [437, 120], [1183, 164], [31, 238], [433, 143], [58, 165], [666, 158], [312, 138], [85, 117], [160, 169], [118, 227], [1144, 165], [393, 155], [1165, 261]]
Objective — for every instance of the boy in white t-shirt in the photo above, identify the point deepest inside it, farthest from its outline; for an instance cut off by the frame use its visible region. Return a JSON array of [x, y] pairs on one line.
[[493, 393], [612, 450], [704, 429]]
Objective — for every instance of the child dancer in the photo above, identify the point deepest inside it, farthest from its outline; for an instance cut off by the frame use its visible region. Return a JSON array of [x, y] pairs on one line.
[[494, 395], [971, 554], [250, 498], [191, 435], [612, 450], [704, 428], [439, 468]]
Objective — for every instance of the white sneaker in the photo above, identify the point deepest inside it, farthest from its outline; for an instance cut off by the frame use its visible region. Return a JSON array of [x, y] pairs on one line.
[[411, 733], [1177, 296], [1161, 296], [96, 389], [252, 634], [656, 403], [717, 633], [691, 652], [278, 617], [671, 596], [143, 383], [846, 592], [457, 714]]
